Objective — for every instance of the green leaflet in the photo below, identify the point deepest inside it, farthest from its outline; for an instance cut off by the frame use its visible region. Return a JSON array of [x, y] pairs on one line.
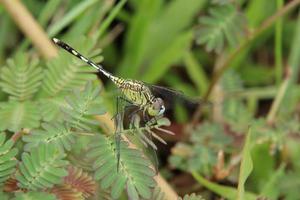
[[43, 167], [4, 196], [34, 196], [224, 23], [158, 194], [134, 173], [82, 106], [7, 158], [52, 133], [224, 191], [199, 153], [65, 73], [17, 115], [50, 108], [172, 54], [246, 167], [21, 79]]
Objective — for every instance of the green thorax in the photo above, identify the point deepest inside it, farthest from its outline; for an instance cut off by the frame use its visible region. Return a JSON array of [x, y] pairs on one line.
[[137, 92]]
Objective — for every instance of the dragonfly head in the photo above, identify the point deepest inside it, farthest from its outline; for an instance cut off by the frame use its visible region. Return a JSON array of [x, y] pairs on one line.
[[157, 107]]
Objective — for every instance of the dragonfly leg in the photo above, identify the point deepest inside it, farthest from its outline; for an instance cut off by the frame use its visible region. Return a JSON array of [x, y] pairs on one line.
[[153, 121], [119, 126], [120, 106], [133, 115]]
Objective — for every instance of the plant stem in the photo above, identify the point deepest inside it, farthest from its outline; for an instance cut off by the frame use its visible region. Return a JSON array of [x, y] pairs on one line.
[[226, 64], [16, 136], [278, 100], [291, 75], [278, 46], [30, 28]]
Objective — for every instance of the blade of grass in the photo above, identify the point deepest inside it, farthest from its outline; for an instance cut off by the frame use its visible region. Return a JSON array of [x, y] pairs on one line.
[[85, 22], [147, 38], [136, 37], [5, 31], [278, 45], [108, 20], [171, 55], [196, 72], [70, 16], [224, 191], [270, 189], [245, 168], [48, 11]]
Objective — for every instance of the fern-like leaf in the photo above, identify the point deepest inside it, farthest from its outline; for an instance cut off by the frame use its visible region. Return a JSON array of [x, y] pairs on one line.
[[7, 158], [10, 185], [34, 196], [52, 133], [17, 115], [192, 196], [20, 79], [82, 106], [50, 108], [158, 194], [66, 72], [42, 168], [4, 196], [65, 192], [80, 181], [200, 152], [134, 174], [224, 23]]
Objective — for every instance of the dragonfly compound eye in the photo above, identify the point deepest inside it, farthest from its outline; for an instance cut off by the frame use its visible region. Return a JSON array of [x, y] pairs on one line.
[[157, 107], [162, 110]]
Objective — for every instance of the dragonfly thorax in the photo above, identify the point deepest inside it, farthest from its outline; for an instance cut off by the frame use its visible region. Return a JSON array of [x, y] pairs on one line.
[[157, 107]]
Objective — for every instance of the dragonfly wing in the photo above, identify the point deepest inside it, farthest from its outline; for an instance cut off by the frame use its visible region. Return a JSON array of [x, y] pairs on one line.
[[171, 97]]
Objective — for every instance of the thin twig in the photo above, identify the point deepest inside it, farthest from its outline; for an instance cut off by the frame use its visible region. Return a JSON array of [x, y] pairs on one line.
[[276, 103], [16, 136], [30, 28], [226, 64], [39, 38]]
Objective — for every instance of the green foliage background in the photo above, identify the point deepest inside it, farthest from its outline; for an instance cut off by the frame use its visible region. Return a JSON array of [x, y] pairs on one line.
[[241, 57]]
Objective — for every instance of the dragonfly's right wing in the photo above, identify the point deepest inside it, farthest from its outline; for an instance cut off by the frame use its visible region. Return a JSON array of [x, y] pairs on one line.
[[171, 97]]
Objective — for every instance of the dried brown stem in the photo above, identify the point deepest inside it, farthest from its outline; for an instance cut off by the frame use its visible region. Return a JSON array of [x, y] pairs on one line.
[[16, 136], [39, 38], [29, 27]]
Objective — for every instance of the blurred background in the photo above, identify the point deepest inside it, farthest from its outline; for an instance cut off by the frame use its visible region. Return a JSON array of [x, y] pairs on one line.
[[239, 58]]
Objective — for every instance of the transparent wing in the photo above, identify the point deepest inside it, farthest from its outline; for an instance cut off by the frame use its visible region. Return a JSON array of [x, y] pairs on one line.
[[171, 97]]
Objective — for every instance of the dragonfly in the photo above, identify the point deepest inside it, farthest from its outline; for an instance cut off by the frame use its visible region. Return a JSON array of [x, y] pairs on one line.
[[135, 92]]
